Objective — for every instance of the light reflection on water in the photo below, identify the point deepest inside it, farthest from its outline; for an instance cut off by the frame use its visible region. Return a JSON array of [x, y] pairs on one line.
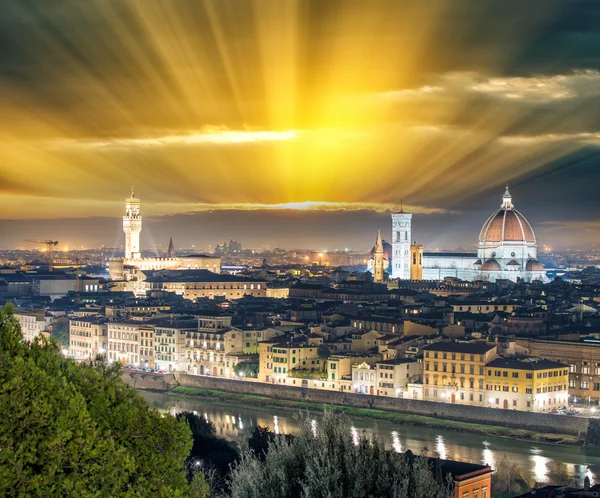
[[534, 459]]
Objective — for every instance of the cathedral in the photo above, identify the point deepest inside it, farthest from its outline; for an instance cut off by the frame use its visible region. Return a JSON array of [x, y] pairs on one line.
[[507, 249], [124, 269]]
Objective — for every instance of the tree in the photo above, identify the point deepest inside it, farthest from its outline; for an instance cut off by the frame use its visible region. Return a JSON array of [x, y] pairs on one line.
[[246, 369], [323, 460], [69, 429], [558, 474], [209, 452], [507, 480], [323, 352], [60, 331], [259, 441]]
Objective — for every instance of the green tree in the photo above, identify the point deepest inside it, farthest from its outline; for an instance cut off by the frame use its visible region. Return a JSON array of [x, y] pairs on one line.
[[247, 368], [323, 460], [209, 452], [60, 331], [70, 429]]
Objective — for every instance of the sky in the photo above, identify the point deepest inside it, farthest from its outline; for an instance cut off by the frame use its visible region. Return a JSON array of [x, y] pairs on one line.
[[298, 123]]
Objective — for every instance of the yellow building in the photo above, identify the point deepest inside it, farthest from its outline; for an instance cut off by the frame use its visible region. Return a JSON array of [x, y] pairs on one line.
[[526, 383], [147, 346], [87, 337], [277, 357], [416, 262], [455, 372]]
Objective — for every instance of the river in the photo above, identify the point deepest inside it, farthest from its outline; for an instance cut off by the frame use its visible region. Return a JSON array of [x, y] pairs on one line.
[[236, 423]]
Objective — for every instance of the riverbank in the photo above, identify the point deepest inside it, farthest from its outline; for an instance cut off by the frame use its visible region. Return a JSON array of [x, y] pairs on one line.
[[235, 399]]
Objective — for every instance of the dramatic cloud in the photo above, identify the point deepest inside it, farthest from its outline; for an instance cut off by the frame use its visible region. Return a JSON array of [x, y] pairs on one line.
[[309, 107]]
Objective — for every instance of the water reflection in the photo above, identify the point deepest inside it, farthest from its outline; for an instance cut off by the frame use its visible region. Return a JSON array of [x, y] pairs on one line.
[[540, 467], [440, 447], [396, 444], [533, 459]]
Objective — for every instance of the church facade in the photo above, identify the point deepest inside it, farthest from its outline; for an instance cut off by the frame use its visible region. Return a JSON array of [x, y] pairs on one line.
[[125, 269], [507, 249]]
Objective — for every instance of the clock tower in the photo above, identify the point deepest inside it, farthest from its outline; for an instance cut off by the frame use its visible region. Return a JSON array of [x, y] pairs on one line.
[[401, 241]]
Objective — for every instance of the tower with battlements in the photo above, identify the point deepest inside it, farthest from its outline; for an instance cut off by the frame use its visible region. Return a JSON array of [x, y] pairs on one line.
[[132, 226]]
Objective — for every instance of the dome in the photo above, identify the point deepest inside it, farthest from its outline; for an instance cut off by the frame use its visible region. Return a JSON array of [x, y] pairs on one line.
[[490, 265], [387, 251], [534, 265], [507, 225]]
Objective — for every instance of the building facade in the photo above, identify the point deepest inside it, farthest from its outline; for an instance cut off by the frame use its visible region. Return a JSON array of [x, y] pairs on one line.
[[87, 337], [526, 384], [455, 372], [401, 242], [124, 342], [507, 249], [583, 360]]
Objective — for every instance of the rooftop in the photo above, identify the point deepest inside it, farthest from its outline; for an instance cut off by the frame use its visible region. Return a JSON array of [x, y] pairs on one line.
[[526, 363], [461, 347]]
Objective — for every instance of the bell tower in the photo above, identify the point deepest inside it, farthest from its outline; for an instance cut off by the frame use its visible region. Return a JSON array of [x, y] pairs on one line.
[[132, 226], [378, 259], [401, 242]]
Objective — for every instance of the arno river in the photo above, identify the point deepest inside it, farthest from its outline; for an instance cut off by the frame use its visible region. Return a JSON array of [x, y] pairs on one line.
[[236, 423]]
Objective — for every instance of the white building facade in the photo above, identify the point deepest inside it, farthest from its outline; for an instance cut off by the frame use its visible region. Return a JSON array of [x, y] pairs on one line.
[[507, 249], [401, 241]]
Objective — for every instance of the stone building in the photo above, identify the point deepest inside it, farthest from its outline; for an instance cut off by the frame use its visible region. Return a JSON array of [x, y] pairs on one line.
[[507, 249], [455, 372], [124, 341], [121, 269], [527, 384], [583, 360], [87, 337]]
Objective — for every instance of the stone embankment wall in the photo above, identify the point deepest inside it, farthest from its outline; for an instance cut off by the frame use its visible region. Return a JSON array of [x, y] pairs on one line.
[[141, 380], [539, 422]]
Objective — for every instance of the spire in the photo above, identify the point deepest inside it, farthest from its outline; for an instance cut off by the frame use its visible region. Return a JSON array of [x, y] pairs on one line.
[[507, 200], [171, 251], [378, 242], [401, 205]]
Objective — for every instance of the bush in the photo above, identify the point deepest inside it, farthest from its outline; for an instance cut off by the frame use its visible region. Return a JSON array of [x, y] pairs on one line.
[[324, 460]]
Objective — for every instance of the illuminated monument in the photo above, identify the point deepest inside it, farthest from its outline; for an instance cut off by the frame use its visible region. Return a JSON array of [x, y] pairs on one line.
[[401, 230], [125, 269], [378, 257], [507, 249], [132, 226]]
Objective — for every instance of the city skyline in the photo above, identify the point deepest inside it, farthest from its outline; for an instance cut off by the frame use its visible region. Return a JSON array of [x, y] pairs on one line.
[[287, 124]]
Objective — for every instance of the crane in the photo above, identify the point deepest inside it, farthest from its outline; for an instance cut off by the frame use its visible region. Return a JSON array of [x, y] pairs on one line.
[[49, 247]]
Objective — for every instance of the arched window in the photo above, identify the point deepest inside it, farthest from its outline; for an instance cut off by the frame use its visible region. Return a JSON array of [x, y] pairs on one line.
[[462, 382]]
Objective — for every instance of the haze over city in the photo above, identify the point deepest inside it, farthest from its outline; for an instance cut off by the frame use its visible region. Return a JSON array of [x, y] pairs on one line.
[[297, 123]]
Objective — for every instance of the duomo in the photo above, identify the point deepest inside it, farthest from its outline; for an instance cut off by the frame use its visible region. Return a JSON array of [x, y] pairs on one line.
[[507, 249]]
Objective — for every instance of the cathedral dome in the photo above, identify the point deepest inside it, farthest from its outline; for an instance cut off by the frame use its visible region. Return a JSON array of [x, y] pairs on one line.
[[490, 265], [534, 265], [507, 225], [387, 251]]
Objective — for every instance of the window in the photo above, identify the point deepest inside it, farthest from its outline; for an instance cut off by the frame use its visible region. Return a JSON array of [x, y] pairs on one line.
[[584, 384], [528, 376], [515, 375]]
